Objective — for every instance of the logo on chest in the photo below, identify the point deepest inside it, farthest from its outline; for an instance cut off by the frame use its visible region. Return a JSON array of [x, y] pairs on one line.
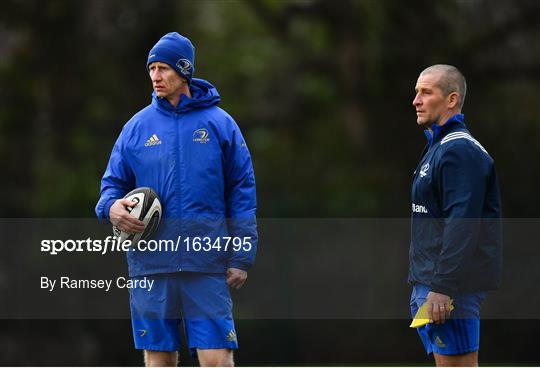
[[152, 141], [424, 170], [201, 136]]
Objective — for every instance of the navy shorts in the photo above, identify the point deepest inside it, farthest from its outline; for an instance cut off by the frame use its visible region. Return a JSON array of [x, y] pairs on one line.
[[201, 302], [458, 335]]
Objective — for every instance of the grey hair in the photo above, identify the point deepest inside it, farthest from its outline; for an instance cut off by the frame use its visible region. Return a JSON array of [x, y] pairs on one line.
[[450, 80]]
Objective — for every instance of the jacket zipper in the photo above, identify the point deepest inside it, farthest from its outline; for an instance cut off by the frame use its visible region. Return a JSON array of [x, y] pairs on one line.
[[179, 180]]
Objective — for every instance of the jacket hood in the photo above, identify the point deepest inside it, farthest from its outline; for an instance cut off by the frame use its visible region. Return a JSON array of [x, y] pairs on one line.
[[203, 94]]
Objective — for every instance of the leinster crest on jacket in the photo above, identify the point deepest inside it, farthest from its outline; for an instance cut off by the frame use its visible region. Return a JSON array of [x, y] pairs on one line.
[[424, 170]]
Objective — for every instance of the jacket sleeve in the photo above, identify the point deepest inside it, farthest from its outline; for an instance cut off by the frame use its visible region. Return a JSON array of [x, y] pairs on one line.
[[462, 188], [117, 180], [240, 200]]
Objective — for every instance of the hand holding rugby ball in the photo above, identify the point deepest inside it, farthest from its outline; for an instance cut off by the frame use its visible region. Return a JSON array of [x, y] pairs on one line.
[[143, 206]]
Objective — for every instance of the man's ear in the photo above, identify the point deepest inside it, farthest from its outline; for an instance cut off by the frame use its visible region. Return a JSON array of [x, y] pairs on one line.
[[453, 100]]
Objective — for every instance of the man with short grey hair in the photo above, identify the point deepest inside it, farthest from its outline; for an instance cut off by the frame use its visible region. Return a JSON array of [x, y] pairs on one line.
[[455, 250], [450, 80]]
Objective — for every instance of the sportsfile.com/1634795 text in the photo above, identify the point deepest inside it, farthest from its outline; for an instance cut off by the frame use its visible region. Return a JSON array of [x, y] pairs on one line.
[[114, 244]]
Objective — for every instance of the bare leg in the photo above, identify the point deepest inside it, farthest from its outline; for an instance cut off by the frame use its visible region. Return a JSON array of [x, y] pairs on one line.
[[160, 358], [215, 357], [463, 360]]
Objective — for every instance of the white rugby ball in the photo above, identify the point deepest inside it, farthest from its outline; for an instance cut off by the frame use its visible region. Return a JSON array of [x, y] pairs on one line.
[[147, 208]]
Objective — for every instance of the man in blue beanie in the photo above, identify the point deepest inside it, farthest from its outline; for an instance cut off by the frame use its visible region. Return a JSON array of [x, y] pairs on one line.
[[194, 156]]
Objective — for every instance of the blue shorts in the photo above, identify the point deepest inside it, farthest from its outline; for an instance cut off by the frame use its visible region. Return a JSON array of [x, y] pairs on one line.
[[458, 335], [200, 300]]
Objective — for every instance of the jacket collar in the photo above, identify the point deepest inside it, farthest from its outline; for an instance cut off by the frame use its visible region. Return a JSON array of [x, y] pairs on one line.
[[165, 106], [203, 94], [437, 132]]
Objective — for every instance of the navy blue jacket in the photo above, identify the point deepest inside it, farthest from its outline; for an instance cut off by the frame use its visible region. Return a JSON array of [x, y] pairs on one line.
[[456, 243], [195, 158]]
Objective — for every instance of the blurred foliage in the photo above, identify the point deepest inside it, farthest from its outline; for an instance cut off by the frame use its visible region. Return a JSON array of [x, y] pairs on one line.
[[322, 90]]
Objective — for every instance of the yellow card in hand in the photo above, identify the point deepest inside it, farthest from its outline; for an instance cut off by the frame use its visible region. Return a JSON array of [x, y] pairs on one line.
[[421, 318]]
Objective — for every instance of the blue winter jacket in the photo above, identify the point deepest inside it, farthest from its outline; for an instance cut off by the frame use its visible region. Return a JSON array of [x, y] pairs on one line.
[[195, 158], [456, 243]]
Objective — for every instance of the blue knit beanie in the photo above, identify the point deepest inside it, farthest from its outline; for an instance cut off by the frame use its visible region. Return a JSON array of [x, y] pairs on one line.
[[177, 51]]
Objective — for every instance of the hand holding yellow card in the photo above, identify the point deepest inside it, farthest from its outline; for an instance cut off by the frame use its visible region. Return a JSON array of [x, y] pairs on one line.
[[422, 318]]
